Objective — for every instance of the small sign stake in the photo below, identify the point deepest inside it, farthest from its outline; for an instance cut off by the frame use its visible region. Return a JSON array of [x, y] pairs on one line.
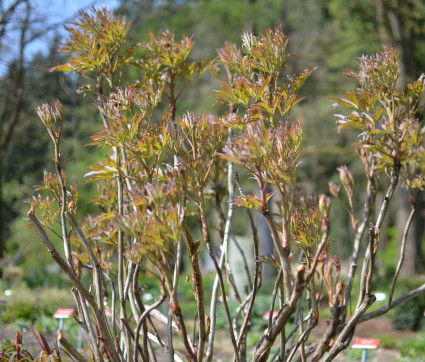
[[61, 314], [364, 344]]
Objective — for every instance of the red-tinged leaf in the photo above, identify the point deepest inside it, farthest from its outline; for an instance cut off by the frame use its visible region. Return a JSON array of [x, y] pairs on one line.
[[250, 201], [376, 132], [296, 101], [345, 102], [270, 260], [262, 88], [61, 68]]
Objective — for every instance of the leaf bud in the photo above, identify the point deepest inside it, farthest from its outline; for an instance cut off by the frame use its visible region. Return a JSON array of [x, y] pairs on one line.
[[52, 118], [334, 189], [347, 178], [324, 204]]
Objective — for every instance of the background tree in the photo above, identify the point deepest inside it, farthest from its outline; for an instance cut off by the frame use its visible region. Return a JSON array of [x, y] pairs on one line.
[[13, 83], [25, 82]]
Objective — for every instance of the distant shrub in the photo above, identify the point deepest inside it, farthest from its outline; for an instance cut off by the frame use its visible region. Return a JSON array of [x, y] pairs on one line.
[[410, 315], [413, 348], [27, 305], [21, 305]]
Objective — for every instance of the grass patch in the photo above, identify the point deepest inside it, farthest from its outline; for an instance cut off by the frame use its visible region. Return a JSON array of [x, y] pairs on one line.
[[387, 341], [413, 348]]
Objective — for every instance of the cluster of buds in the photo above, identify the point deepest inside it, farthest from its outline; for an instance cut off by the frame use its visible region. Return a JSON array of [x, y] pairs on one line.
[[52, 118]]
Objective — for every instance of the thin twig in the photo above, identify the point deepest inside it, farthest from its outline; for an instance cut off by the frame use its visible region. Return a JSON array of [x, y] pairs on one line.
[[292, 334], [69, 347], [373, 248], [198, 288], [368, 261], [135, 294], [302, 338], [100, 320], [66, 243], [97, 270], [283, 331], [121, 282], [257, 272], [224, 246], [357, 239], [282, 252], [113, 292], [274, 295], [402, 253], [263, 350], [393, 304], [303, 358], [85, 322], [238, 312], [140, 322], [351, 324]]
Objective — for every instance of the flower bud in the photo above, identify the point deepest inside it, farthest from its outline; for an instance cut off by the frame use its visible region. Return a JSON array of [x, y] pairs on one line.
[[52, 118], [324, 204], [346, 178], [334, 189]]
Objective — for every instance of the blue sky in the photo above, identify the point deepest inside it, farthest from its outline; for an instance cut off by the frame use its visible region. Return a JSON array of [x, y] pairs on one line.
[[61, 12], [47, 13]]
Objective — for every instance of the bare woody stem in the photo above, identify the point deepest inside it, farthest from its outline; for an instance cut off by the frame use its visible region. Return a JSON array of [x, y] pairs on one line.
[[357, 239], [368, 262], [393, 304], [257, 272], [121, 277], [207, 239], [380, 220], [303, 336], [394, 182], [120, 189], [224, 245], [97, 271], [374, 234], [365, 317], [346, 334], [86, 323], [283, 253], [99, 318], [69, 347], [176, 311], [140, 323], [281, 246], [66, 244], [198, 288], [402, 253], [342, 340], [263, 350], [301, 281]]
